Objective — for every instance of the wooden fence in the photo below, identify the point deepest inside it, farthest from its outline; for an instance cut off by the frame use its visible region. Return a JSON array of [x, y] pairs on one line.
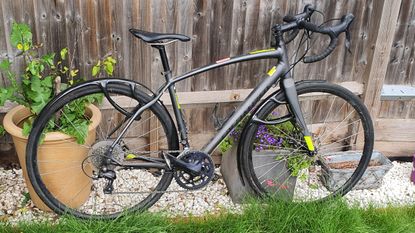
[[382, 49]]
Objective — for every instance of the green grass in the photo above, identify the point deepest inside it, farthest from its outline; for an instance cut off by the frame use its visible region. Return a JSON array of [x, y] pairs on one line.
[[268, 216]]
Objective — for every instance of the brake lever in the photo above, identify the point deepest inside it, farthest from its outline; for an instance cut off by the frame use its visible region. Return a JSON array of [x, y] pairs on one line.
[[347, 41]]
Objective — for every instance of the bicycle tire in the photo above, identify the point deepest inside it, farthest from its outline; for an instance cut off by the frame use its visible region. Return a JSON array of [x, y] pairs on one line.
[[270, 172], [104, 206]]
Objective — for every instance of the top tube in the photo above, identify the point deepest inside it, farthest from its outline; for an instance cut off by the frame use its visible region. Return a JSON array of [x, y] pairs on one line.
[[254, 55]]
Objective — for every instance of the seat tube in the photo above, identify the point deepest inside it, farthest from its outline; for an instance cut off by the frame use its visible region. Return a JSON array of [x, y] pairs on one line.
[[173, 97]]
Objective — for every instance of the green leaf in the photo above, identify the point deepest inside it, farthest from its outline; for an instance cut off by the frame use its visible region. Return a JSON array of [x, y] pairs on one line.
[[35, 68], [26, 46], [38, 92], [73, 73], [64, 86], [95, 70], [27, 127], [2, 131], [280, 157], [47, 82], [109, 68], [37, 107], [111, 60], [64, 52], [48, 59], [226, 144], [35, 84], [21, 34], [77, 129], [5, 65], [6, 94], [26, 199]]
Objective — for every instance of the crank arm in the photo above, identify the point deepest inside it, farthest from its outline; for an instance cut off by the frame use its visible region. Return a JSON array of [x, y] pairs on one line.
[[188, 167]]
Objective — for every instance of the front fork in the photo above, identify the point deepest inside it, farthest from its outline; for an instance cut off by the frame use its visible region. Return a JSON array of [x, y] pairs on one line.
[[291, 93]]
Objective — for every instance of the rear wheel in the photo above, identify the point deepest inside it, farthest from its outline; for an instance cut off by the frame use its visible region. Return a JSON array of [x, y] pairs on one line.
[[275, 160], [74, 183]]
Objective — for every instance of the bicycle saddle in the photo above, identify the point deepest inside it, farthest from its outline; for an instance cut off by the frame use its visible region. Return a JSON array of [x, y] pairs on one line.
[[155, 37]]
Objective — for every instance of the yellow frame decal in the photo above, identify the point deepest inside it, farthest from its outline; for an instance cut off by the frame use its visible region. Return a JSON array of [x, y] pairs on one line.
[[272, 71], [261, 51], [309, 143], [130, 156], [177, 101]]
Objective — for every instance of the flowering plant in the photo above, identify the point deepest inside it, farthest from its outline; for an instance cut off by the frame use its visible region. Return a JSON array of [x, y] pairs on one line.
[[42, 78], [275, 137]]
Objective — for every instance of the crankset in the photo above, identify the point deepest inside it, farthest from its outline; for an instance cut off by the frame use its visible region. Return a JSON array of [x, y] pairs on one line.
[[194, 171]]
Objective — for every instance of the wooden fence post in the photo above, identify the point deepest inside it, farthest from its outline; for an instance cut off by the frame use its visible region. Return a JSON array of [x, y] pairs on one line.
[[376, 76]]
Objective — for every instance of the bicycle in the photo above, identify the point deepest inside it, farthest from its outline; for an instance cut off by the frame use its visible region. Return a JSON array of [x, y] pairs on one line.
[[124, 149]]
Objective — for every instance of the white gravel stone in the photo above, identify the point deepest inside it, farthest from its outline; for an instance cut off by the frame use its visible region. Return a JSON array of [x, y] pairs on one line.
[[396, 190]]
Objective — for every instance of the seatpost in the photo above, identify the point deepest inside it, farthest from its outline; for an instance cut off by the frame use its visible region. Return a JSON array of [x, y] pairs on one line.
[[164, 61], [173, 96]]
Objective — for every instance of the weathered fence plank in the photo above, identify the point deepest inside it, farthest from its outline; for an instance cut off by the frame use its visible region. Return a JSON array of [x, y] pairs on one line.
[[92, 29], [374, 79]]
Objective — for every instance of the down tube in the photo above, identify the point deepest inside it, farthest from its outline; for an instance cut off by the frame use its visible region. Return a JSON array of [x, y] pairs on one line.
[[245, 107]]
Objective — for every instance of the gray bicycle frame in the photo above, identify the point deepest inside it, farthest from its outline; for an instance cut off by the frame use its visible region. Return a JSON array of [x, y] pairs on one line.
[[281, 72]]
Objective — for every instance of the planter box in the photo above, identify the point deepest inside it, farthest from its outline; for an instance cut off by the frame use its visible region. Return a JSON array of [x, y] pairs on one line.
[[237, 189], [278, 181], [371, 179], [275, 176]]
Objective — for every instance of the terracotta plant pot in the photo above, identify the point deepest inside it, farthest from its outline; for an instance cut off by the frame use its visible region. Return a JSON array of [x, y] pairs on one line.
[[62, 151]]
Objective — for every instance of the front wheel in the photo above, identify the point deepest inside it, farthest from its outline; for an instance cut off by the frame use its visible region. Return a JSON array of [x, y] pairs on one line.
[[275, 159], [76, 175]]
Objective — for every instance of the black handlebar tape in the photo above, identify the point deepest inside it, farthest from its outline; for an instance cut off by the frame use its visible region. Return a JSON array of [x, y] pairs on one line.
[[314, 28], [324, 54]]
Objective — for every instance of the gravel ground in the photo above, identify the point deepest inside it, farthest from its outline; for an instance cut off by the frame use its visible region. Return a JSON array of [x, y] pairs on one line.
[[396, 190]]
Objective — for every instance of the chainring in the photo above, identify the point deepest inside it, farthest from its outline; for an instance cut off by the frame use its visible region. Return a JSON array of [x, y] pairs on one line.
[[192, 181]]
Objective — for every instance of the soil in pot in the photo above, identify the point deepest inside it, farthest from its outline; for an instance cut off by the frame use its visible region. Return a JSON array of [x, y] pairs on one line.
[[352, 164]]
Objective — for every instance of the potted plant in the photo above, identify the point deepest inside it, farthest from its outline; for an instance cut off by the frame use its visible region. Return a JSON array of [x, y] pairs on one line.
[[40, 80], [288, 167]]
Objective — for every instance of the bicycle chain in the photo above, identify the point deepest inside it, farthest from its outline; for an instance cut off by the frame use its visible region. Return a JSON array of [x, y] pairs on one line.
[[173, 191], [156, 151], [216, 177]]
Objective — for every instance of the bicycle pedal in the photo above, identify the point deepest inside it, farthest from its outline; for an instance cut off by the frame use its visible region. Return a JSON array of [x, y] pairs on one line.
[[216, 177]]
